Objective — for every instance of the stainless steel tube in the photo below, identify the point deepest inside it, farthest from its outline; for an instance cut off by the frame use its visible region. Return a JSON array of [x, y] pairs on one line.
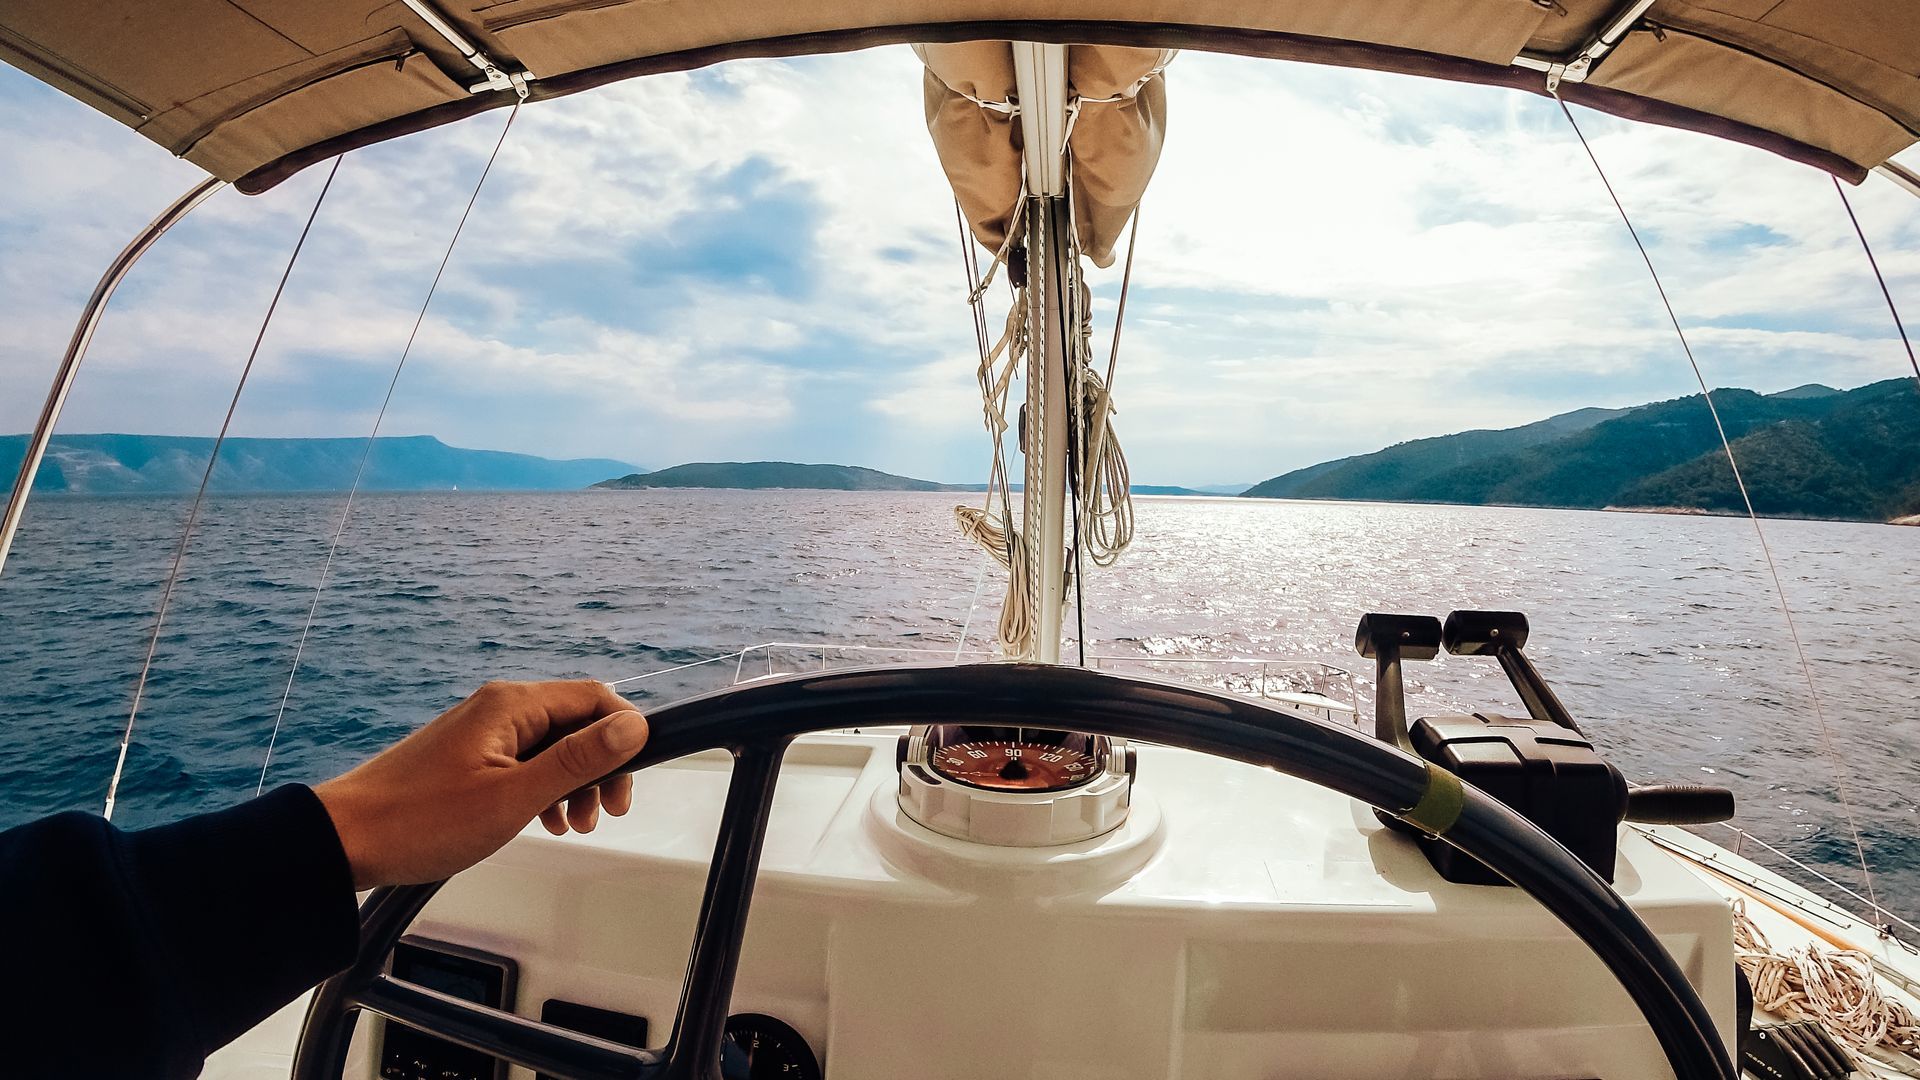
[[77, 351]]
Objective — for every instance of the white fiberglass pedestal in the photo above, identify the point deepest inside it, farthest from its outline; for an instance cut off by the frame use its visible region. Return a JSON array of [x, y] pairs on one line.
[[1240, 923]]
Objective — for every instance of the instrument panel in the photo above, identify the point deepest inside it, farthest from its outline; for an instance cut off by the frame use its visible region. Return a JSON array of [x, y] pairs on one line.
[[762, 1047], [758, 1046]]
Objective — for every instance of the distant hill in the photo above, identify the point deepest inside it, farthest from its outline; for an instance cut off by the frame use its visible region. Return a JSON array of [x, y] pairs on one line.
[[1807, 390], [1805, 452], [1400, 472], [760, 475], [164, 464]]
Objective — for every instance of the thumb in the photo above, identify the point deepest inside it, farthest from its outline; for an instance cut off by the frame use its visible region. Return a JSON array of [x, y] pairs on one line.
[[585, 756]]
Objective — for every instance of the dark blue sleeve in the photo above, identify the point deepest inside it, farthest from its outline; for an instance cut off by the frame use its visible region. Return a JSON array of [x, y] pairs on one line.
[[136, 954]]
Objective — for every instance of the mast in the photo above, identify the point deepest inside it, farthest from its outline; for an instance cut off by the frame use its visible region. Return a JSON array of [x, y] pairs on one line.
[[1040, 74]]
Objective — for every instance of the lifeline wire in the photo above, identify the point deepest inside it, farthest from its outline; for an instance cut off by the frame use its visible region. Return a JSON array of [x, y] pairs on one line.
[[200, 496], [979, 583], [1806, 670], [1879, 277], [367, 452]]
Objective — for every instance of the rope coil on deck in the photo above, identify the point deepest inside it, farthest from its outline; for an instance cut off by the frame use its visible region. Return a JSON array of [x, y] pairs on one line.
[[1836, 988]]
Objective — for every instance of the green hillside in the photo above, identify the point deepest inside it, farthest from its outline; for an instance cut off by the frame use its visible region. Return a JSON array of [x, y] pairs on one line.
[[1810, 452], [1855, 461], [1398, 472]]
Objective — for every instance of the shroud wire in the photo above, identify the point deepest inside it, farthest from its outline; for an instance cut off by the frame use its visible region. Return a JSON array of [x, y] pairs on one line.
[[200, 497], [1786, 610], [346, 511], [1879, 277]]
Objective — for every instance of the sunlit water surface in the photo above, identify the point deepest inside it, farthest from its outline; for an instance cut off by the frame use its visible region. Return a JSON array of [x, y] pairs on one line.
[[1662, 633]]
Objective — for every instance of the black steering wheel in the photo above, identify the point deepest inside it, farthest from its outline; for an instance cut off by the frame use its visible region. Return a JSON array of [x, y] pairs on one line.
[[757, 721]]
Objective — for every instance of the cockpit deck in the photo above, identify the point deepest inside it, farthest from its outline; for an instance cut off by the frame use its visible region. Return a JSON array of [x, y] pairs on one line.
[[1241, 923]]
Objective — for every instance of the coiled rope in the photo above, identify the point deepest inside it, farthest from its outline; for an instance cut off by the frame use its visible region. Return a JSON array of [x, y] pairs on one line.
[[996, 533], [1106, 491], [1836, 988], [1102, 483]]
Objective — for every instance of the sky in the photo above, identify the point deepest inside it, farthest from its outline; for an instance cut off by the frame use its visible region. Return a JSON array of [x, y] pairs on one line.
[[759, 261]]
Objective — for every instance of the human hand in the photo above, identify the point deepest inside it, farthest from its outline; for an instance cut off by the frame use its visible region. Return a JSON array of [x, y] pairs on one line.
[[453, 792]]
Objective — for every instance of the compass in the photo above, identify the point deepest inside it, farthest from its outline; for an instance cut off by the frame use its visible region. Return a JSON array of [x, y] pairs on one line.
[[1014, 786]]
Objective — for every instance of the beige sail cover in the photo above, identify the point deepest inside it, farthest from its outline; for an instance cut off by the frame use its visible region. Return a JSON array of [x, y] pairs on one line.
[[1120, 122], [254, 90]]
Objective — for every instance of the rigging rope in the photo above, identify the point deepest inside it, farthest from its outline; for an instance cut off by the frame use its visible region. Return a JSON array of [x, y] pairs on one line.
[[366, 452], [997, 535], [1101, 483], [1082, 301], [1109, 497], [200, 496], [1786, 610], [1836, 988], [1879, 277]]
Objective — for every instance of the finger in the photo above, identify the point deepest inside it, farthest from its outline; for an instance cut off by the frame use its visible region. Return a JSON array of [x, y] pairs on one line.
[[564, 705], [582, 758], [616, 795], [555, 819], [583, 809]]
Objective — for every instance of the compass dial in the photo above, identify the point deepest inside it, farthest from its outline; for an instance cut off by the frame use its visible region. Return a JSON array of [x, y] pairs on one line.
[[1014, 765]]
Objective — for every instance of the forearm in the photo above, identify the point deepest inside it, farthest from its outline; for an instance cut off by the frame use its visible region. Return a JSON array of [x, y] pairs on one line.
[[167, 942]]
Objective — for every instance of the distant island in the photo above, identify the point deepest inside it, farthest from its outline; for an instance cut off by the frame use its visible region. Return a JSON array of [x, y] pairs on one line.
[[166, 464], [762, 475], [1812, 451]]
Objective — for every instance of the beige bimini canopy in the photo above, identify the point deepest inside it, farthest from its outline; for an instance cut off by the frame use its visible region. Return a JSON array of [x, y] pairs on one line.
[[254, 90], [1119, 122]]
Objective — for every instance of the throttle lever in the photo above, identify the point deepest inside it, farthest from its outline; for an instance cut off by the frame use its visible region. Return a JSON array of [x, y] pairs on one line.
[[1678, 804], [1503, 634], [1387, 640]]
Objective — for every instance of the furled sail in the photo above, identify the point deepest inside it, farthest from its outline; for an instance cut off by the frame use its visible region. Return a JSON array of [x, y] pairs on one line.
[[254, 90], [1117, 125]]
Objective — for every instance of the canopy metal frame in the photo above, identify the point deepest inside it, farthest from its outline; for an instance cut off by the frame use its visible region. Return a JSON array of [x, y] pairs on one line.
[[1240, 41], [69, 369], [1576, 67], [494, 76]]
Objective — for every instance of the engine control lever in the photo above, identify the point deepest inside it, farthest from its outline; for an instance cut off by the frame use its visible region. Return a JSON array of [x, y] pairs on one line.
[[1678, 804], [1502, 634], [1387, 640]]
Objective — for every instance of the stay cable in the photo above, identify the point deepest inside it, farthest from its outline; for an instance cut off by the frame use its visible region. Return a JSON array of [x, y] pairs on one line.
[[1881, 278], [366, 453], [200, 498], [1786, 610]]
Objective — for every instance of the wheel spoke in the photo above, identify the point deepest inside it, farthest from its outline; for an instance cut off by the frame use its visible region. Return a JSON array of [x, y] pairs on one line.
[[322, 1050], [698, 1028], [530, 1044]]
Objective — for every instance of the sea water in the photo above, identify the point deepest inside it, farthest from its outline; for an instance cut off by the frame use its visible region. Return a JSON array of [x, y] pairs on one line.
[[1662, 633]]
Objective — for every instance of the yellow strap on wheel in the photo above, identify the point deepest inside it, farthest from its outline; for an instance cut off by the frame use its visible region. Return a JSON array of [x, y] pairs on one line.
[[1440, 804]]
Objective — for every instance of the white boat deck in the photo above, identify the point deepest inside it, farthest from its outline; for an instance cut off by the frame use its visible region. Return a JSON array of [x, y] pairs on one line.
[[1241, 924]]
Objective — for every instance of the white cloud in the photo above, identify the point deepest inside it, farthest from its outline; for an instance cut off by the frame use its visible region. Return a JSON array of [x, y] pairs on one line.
[[1329, 261]]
